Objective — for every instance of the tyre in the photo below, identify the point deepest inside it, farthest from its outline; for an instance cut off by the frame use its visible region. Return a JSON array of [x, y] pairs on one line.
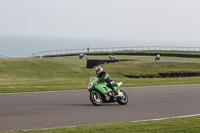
[[96, 98], [123, 98]]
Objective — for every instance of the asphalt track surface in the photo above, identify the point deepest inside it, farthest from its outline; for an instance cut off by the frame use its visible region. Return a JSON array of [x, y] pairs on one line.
[[37, 110]]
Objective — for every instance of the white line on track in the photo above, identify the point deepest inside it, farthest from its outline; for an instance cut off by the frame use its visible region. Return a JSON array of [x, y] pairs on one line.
[[167, 118], [158, 119]]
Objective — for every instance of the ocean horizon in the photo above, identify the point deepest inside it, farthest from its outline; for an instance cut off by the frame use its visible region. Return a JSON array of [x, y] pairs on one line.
[[24, 46]]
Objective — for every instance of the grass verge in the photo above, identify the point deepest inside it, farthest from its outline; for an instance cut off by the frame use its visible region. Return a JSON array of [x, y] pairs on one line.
[[47, 75], [174, 125]]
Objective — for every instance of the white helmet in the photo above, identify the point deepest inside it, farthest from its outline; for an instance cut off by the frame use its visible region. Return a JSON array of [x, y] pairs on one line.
[[99, 69]]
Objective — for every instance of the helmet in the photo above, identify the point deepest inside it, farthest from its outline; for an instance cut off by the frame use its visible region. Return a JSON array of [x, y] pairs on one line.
[[99, 70]]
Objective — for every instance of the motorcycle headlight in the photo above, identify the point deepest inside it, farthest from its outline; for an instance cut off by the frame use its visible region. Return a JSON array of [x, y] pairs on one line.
[[90, 85]]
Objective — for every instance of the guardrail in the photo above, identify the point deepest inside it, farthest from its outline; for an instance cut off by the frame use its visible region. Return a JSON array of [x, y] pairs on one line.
[[2, 56], [112, 49], [94, 62]]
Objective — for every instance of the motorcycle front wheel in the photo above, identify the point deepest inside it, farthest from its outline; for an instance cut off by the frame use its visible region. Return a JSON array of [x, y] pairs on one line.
[[96, 98], [123, 100]]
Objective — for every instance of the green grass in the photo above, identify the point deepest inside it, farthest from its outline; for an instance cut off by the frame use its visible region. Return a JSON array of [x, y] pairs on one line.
[[41, 75], [149, 67], [45, 75], [175, 125]]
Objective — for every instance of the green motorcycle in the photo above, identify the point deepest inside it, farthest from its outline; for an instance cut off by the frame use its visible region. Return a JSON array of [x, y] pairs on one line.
[[100, 93]]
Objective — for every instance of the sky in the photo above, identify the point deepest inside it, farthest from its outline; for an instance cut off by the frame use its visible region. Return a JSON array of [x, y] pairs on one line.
[[143, 20]]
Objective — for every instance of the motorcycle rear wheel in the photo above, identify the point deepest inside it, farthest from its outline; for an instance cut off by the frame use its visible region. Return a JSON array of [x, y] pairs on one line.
[[96, 98], [124, 99]]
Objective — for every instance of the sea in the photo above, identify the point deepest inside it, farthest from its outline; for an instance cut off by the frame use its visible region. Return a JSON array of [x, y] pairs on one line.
[[24, 46]]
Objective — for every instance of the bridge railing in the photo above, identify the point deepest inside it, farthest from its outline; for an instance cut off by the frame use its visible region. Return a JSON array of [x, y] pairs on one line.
[[112, 49]]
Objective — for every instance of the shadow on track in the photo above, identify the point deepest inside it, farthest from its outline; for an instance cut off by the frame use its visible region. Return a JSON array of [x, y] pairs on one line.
[[89, 105]]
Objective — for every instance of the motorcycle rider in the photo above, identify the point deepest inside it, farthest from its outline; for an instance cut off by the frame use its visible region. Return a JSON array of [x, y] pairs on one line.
[[103, 76], [158, 57]]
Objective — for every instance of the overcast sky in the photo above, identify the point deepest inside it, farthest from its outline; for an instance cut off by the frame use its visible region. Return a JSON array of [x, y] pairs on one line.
[[168, 20]]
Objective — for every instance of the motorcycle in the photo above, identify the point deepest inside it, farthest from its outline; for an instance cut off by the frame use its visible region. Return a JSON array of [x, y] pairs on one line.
[[100, 93], [82, 56], [112, 56], [157, 59]]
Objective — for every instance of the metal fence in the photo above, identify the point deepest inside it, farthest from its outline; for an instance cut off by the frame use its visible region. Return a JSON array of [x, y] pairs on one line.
[[112, 49], [2, 56]]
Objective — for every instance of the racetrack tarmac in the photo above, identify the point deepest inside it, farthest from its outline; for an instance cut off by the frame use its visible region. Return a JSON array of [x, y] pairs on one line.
[[37, 110]]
